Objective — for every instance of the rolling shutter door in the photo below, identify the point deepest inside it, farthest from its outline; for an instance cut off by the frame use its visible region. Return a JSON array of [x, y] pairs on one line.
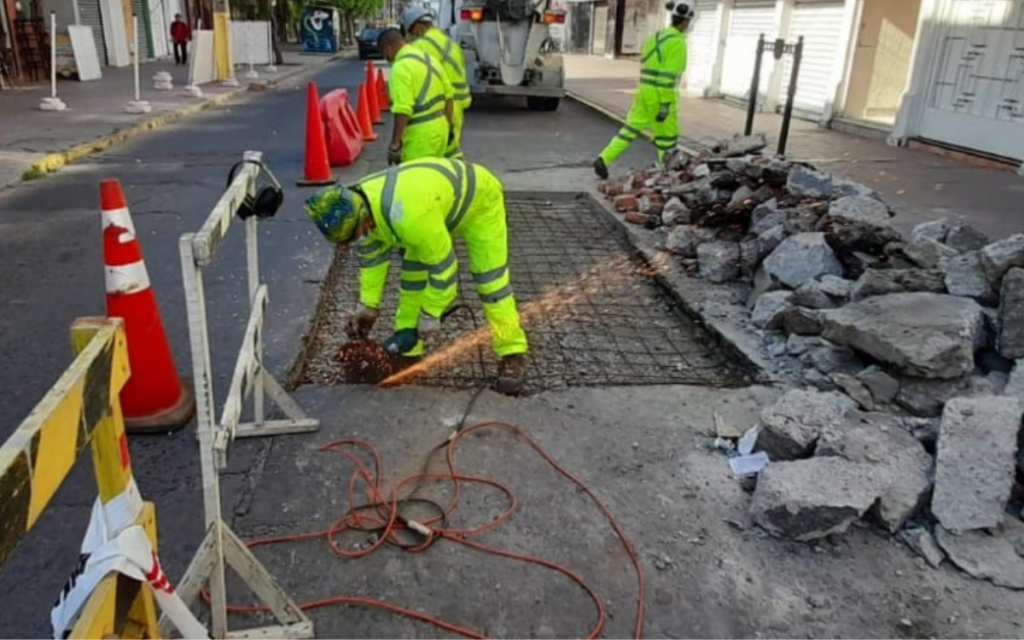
[[144, 47], [749, 19], [91, 17], [702, 49], [820, 22]]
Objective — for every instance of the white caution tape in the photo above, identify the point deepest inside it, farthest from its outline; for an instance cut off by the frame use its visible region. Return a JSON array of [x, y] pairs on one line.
[[127, 552], [127, 278]]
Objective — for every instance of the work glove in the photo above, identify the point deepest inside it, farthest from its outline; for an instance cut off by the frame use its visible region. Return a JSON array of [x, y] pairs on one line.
[[427, 326], [361, 322], [662, 113], [394, 155]]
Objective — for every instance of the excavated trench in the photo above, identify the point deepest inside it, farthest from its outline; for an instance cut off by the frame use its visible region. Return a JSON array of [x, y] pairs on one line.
[[593, 313]]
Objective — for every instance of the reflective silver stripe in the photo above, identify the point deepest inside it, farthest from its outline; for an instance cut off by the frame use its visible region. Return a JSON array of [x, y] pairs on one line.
[[657, 74], [444, 264], [366, 263], [413, 265], [657, 83], [420, 108], [631, 129], [427, 118], [413, 285], [460, 85], [462, 96], [624, 138], [497, 296], [388, 198], [369, 247], [466, 199], [444, 284], [490, 276]]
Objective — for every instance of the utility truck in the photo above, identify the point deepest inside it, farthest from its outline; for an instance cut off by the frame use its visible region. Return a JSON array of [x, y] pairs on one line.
[[508, 47]]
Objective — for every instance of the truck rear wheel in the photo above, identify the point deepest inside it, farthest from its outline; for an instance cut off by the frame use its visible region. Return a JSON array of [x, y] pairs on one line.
[[534, 103]]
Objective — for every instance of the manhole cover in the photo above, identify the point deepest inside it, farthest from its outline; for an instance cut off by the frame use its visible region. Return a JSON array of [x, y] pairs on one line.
[[592, 313]]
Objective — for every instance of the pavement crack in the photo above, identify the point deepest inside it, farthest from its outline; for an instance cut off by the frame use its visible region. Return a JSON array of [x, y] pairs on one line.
[[253, 478]]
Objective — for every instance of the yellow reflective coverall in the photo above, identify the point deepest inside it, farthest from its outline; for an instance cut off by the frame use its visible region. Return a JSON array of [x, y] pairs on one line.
[[420, 206], [418, 89], [449, 57], [662, 63]]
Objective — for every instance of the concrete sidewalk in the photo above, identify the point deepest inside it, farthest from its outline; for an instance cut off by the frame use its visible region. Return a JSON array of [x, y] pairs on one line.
[[918, 184], [33, 142]]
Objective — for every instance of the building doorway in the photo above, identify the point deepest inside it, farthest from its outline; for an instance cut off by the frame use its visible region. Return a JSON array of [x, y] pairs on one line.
[[881, 60]]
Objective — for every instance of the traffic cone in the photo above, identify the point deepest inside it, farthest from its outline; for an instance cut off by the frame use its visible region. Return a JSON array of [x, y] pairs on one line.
[[371, 90], [317, 170], [154, 399], [363, 111], [382, 93]]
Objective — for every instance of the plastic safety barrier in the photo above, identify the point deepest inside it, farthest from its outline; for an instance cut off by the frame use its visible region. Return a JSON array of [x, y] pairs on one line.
[[221, 547], [344, 137], [118, 582]]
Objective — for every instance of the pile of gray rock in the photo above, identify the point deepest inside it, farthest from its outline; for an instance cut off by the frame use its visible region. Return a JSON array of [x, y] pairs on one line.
[[907, 353]]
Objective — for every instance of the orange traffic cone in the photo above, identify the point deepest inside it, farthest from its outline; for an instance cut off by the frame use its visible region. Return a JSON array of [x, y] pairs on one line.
[[371, 90], [154, 399], [382, 93], [363, 111], [317, 170]]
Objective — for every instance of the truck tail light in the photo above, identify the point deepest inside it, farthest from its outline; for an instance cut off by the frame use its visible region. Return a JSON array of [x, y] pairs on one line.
[[554, 17], [473, 15]]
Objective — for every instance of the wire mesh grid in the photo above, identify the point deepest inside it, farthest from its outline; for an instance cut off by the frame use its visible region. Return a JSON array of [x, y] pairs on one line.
[[593, 314]]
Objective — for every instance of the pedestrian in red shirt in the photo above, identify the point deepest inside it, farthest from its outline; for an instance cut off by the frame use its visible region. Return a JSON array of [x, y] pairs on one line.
[[180, 36]]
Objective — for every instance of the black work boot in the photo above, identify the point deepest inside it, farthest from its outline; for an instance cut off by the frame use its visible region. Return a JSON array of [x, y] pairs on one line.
[[600, 168], [511, 375]]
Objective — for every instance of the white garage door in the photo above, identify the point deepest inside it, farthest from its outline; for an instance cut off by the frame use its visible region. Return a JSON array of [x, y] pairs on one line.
[[749, 19], [976, 93], [820, 22], [701, 47]]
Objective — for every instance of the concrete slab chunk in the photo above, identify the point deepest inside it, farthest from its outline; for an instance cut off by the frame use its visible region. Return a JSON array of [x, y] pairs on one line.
[[810, 499], [1011, 315], [1002, 255], [922, 334], [985, 556], [791, 426], [801, 258], [977, 458]]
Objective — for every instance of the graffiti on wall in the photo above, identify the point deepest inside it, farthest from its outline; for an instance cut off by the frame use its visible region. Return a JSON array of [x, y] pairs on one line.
[[317, 31]]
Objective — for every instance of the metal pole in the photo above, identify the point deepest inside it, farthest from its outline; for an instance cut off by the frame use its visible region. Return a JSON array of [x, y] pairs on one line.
[[755, 84], [78, 12], [791, 95], [135, 50], [53, 54]]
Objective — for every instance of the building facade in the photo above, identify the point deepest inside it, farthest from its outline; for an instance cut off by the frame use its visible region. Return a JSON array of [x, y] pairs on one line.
[[949, 72]]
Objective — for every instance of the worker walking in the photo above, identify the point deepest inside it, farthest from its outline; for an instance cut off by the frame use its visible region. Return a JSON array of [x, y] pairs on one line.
[[421, 101], [419, 207], [418, 22], [663, 61]]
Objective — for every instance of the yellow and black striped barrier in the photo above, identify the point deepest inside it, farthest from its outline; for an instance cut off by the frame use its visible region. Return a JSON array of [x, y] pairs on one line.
[[111, 592]]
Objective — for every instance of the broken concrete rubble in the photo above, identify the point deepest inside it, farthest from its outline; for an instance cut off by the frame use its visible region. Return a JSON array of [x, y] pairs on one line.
[[802, 258], [791, 426], [927, 254], [1001, 256], [976, 462], [986, 556], [808, 182], [965, 276], [926, 398], [964, 238], [719, 261], [876, 282], [810, 499], [936, 230], [923, 542], [921, 334], [803, 322], [769, 309], [1011, 315], [882, 386]]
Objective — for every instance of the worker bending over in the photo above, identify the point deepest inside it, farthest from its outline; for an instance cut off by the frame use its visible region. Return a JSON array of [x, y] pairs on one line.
[[419, 207], [418, 22], [421, 101], [663, 61]]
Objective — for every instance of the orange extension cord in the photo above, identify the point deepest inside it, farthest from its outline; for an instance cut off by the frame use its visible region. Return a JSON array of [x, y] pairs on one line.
[[382, 515]]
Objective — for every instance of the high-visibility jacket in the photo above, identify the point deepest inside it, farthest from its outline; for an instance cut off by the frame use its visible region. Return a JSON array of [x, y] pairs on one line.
[[417, 87], [449, 57], [662, 62], [446, 189]]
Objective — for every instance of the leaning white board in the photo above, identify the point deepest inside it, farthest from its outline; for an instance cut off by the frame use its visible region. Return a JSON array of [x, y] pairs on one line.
[[204, 63], [86, 59], [250, 42]]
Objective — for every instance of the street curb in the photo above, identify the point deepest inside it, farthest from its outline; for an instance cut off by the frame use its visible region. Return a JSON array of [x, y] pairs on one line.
[[52, 162], [614, 117]]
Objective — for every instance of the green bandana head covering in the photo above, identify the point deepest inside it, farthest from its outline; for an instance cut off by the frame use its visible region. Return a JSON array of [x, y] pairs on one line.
[[335, 212]]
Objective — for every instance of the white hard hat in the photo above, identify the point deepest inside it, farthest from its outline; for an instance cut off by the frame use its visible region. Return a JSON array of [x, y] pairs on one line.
[[414, 15], [680, 10]]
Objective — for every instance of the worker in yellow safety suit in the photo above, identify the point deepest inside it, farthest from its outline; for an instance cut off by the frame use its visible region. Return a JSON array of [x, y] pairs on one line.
[[421, 101], [419, 23], [662, 62], [419, 207]]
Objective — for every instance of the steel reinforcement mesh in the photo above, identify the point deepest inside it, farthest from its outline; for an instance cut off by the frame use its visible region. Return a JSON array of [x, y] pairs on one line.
[[593, 314]]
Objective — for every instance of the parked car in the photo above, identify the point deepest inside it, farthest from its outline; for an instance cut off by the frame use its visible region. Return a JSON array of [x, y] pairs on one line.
[[367, 41]]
